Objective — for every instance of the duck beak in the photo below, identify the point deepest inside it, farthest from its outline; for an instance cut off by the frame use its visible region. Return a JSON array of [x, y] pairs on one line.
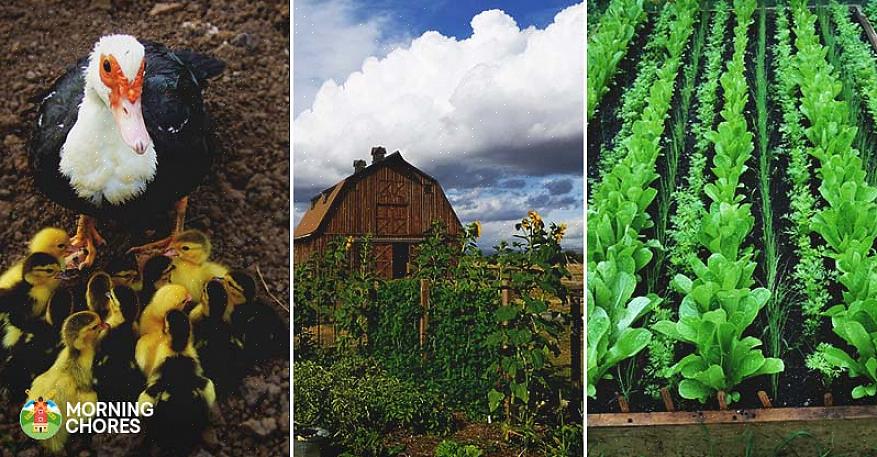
[[171, 252], [129, 119]]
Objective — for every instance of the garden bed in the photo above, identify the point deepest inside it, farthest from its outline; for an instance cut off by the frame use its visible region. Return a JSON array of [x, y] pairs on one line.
[[750, 260]]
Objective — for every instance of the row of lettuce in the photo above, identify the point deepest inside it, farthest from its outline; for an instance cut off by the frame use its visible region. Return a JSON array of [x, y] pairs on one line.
[[608, 45], [715, 300]]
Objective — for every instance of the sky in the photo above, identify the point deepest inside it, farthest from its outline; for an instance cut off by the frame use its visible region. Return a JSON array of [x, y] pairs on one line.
[[485, 96]]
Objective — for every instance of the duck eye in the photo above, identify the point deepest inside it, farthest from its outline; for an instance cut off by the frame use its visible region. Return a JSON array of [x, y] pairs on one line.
[[61, 246], [185, 248], [107, 66]]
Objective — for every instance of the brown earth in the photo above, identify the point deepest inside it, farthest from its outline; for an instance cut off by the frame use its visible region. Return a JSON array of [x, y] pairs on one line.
[[243, 206]]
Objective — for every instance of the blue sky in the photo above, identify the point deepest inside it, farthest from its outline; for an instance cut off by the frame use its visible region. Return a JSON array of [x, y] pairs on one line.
[[486, 96]]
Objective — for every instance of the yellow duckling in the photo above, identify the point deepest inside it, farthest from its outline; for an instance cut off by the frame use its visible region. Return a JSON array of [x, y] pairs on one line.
[[50, 240], [69, 379], [190, 251], [152, 323], [168, 297], [25, 301]]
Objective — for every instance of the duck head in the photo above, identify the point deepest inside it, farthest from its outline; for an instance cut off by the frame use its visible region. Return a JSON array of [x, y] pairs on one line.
[[115, 73]]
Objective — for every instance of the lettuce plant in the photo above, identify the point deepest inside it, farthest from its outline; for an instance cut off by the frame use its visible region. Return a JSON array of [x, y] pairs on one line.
[[690, 210], [846, 222], [719, 304], [634, 98], [608, 45], [808, 275], [618, 216]]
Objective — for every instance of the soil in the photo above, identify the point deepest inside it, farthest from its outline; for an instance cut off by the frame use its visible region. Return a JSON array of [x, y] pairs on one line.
[[243, 206]]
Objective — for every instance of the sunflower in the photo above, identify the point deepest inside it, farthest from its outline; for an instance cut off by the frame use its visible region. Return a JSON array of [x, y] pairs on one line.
[[536, 218], [561, 230]]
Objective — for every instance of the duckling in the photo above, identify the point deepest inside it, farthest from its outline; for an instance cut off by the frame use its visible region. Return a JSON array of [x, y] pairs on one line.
[[190, 251], [180, 394], [116, 375], [50, 240], [125, 272], [168, 298], [69, 379], [25, 302], [216, 345], [156, 273], [36, 350], [254, 323], [97, 293]]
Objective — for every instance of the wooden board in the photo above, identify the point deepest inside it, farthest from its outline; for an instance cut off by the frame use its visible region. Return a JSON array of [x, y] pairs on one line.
[[842, 430]]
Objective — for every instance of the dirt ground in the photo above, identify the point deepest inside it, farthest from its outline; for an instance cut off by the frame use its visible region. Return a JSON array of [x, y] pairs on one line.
[[243, 206]]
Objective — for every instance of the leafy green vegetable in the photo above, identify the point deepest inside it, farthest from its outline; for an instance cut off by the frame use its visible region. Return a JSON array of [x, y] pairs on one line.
[[719, 304], [618, 215], [608, 45], [843, 223]]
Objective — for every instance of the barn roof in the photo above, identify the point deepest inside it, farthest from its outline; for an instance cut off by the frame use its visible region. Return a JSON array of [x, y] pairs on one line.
[[325, 200]]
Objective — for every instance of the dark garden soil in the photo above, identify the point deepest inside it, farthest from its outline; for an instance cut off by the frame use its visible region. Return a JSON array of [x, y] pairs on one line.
[[243, 205]]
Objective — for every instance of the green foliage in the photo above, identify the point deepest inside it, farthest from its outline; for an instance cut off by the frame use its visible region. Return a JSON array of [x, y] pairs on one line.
[[818, 362], [634, 98], [860, 66], [354, 314], [394, 338], [808, 276], [360, 403], [525, 330], [434, 254], [564, 441], [608, 45], [690, 209], [850, 203], [459, 360], [719, 304], [451, 448], [618, 216]]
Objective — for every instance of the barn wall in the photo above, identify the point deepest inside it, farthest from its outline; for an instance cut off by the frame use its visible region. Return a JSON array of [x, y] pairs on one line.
[[390, 202]]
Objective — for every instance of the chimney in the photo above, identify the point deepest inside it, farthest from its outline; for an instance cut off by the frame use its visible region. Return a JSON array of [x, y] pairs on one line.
[[358, 165], [378, 153]]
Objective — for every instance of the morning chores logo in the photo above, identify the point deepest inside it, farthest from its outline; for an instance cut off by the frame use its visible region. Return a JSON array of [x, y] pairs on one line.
[[40, 419]]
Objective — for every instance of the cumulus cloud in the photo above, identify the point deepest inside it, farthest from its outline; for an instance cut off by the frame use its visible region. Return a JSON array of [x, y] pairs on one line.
[[331, 42], [504, 102]]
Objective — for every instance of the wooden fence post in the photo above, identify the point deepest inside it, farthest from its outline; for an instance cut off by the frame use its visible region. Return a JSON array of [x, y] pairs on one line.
[[424, 314], [575, 305], [506, 299]]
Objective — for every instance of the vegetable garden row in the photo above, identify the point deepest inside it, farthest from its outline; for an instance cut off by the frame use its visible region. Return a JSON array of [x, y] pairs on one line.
[[732, 209]]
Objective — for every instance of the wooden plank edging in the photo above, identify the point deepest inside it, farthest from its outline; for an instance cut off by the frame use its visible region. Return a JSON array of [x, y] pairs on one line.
[[732, 416]]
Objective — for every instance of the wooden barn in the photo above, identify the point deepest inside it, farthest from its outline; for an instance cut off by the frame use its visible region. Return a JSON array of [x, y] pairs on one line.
[[390, 199]]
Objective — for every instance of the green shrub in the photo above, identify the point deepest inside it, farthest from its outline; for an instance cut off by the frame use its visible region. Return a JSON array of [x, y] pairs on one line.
[[451, 448], [360, 402]]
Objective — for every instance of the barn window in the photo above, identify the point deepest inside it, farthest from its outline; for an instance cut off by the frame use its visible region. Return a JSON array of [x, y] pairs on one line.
[[427, 189]]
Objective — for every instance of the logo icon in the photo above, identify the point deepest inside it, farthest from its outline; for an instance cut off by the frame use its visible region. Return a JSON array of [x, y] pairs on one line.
[[40, 418]]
